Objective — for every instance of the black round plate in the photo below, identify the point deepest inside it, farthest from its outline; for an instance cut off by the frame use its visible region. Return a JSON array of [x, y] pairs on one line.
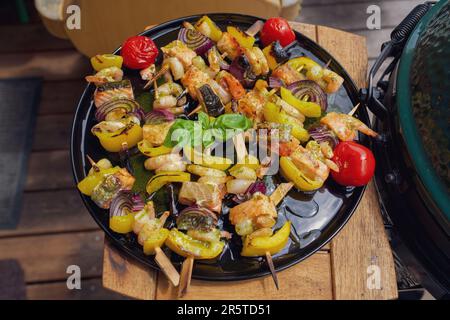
[[318, 219]]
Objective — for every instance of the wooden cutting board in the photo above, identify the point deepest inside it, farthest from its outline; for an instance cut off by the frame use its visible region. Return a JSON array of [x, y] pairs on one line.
[[358, 263]]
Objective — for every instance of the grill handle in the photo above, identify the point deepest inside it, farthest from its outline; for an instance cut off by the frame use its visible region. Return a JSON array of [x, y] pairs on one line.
[[373, 95]]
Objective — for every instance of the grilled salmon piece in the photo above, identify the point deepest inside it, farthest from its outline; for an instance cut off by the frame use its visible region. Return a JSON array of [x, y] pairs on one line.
[[201, 194], [112, 91]]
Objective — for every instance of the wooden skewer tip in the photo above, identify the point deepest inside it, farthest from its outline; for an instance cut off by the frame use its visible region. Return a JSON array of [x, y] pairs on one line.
[[272, 269]]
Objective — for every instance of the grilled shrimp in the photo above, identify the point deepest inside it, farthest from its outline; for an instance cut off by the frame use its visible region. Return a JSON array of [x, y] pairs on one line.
[[173, 166], [229, 45], [346, 126], [176, 67], [106, 75], [148, 73], [231, 84], [167, 95], [159, 161], [287, 74], [179, 50]]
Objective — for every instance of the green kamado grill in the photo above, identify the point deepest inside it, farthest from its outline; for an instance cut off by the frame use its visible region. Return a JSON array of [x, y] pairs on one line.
[[411, 104]]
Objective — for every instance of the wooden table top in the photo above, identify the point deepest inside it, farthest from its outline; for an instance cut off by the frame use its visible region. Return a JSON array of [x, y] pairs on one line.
[[344, 269]]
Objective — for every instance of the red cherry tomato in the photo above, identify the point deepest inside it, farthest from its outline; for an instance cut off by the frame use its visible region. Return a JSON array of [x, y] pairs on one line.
[[139, 52], [277, 29], [356, 164]]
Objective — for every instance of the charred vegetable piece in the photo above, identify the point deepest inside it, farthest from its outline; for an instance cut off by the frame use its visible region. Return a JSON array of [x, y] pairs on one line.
[[155, 240], [195, 40], [103, 61], [187, 246], [208, 161], [118, 109], [309, 109], [275, 54], [310, 90], [114, 134], [259, 246], [208, 28], [158, 181], [197, 218], [274, 113], [242, 38], [121, 217], [147, 149], [210, 101], [296, 176]]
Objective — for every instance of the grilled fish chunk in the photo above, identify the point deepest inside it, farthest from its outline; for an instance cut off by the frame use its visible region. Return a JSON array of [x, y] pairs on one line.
[[201, 194], [112, 91]]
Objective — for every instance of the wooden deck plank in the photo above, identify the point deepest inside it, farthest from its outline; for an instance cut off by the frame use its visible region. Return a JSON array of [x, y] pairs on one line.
[[31, 37], [60, 97], [50, 65], [49, 171], [353, 16], [310, 280], [91, 289], [53, 132], [51, 212], [46, 257], [362, 242], [134, 279]]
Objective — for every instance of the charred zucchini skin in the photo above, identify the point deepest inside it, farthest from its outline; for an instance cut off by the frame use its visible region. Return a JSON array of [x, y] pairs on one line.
[[115, 85], [210, 101]]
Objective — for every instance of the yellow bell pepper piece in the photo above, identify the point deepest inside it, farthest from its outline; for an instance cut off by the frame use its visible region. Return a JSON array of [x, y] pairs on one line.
[[103, 61], [131, 134], [87, 185], [148, 150], [302, 63], [274, 113], [155, 240], [122, 224], [208, 161], [208, 28], [186, 246], [258, 246], [158, 181], [309, 109], [296, 176], [249, 161], [269, 57], [243, 39]]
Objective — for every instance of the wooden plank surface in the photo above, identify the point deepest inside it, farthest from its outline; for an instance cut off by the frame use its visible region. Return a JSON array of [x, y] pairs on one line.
[[133, 279], [363, 242], [91, 289], [309, 280], [46, 257]]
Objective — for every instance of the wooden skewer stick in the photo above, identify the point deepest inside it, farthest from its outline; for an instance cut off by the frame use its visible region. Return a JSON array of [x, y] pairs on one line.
[[93, 164], [196, 110], [185, 277], [167, 267], [241, 148], [272, 269], [158, 75], [327, 65], [355, 108]]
